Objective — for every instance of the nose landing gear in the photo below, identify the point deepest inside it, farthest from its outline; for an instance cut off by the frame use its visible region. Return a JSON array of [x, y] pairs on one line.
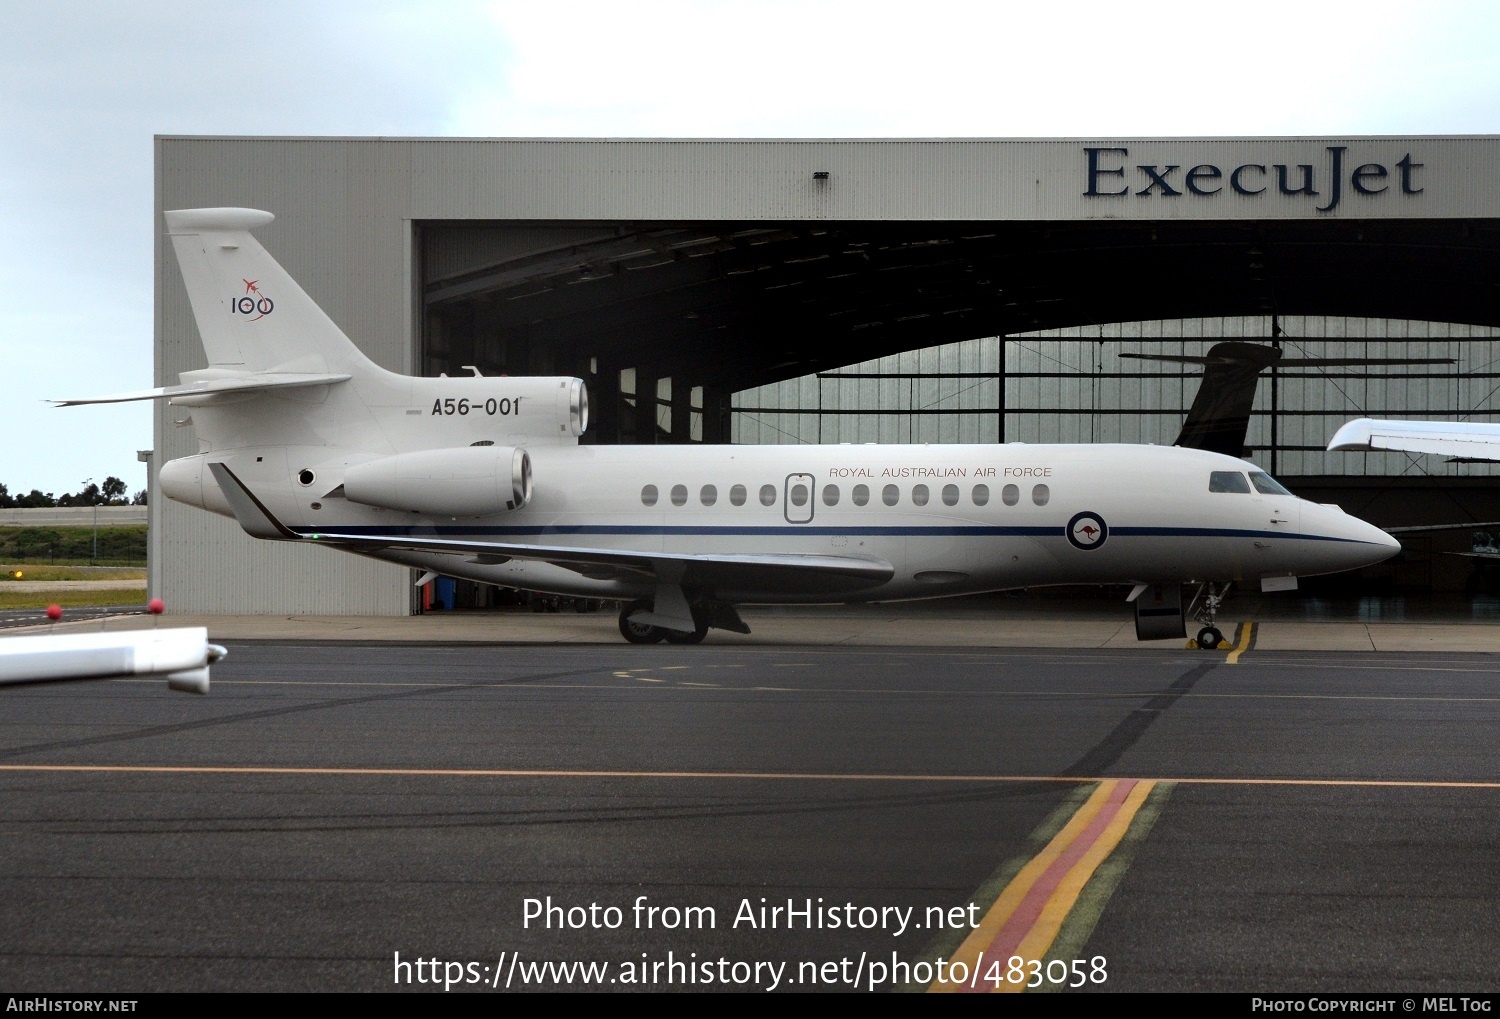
[[1204, 608]]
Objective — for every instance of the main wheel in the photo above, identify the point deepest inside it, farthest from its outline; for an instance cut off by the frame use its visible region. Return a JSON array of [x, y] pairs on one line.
[[1209, 638], [639, 633], [700, 630]]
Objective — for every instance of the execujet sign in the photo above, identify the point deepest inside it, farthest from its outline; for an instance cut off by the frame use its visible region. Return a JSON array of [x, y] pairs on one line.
[[1111, 173]]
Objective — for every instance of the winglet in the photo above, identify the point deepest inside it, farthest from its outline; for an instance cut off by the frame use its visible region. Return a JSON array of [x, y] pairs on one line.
[[1477, 441], [254, 517], [1355, 435]]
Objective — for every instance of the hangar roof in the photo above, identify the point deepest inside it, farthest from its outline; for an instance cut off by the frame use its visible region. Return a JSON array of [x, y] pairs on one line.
[[740, 304]]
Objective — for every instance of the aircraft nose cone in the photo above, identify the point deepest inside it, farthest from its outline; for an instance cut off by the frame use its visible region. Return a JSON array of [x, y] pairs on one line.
[[1381, 545], [1391, 543], [1355, 543]]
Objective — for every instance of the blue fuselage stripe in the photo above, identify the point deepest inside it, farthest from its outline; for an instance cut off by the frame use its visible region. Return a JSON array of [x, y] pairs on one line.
[[660, 530]]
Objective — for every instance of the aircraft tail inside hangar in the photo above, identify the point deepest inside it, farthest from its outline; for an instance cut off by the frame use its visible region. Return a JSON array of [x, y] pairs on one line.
[[684, 279]]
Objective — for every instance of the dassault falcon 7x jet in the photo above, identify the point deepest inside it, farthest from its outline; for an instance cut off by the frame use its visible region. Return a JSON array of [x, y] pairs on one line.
[[304, 439]]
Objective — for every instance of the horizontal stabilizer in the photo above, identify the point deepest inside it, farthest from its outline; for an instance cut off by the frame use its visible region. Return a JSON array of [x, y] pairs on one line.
[[1467, 525], [247, 383], [1290, 362]]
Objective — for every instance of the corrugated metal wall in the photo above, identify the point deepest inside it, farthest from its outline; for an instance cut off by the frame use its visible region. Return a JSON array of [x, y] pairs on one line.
[[1071, 385], [943, 179], [342, 232]]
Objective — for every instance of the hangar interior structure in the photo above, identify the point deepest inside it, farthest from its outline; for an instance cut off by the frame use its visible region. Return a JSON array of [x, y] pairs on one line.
[[867, 290]]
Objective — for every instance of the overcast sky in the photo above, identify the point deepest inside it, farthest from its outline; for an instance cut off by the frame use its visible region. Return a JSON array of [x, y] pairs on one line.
[[85, 85]]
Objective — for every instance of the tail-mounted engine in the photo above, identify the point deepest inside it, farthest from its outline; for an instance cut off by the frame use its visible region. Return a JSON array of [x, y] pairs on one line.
[[469, 481], [546, 410]]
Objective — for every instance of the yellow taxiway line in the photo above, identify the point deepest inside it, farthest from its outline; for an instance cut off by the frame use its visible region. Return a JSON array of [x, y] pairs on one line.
[[1026, 917], [1245, 643]]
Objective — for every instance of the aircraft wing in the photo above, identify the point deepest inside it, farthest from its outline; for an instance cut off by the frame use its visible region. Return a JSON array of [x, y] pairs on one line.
[[1468, 439], [181, 654], [812, 573], [248, 383]]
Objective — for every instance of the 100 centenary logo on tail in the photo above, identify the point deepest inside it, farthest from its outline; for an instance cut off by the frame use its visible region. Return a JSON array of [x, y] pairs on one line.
[[253, 302], [1087, 530]]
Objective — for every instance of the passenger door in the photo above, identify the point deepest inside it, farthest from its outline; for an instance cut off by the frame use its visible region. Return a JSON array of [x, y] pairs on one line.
[[799, 498]]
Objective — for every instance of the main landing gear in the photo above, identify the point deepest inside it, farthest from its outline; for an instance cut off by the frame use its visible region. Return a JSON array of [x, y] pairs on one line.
[[1205, 606], [639, 633], [647, 633]]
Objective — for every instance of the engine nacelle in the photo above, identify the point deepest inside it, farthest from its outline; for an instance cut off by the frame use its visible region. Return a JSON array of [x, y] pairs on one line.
[[551, 410], [469, 481]]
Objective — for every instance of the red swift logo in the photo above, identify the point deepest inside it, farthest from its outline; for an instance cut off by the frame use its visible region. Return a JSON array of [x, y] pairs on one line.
[[252, 303]]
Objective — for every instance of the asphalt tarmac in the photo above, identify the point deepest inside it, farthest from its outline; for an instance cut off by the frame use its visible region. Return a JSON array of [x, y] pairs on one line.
[[364, 816]]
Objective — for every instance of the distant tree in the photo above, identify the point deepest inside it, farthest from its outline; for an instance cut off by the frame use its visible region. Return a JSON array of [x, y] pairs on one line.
[[88, 495], [112, 493]]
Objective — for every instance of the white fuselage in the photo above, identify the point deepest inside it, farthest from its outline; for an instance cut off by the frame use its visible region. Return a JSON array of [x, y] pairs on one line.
[[483, 477], [950, 519]]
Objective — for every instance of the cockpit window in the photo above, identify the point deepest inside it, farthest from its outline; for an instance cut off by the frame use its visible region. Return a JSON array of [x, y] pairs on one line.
[[1228, 481], [1266, 485]]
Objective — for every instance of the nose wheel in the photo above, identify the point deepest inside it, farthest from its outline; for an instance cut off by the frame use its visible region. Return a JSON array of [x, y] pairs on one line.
[[1205, 606]]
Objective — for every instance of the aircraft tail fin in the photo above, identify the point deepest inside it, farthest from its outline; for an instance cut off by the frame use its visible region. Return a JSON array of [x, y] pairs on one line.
[[251, 314], [1220, 416], [1219, 419]]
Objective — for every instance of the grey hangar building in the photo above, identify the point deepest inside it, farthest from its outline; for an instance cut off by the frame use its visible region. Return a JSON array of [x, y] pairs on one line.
[[885, 290]]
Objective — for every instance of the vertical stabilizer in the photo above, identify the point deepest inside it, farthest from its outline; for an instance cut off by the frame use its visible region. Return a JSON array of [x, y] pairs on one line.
[[1219, 419], [251, 314]]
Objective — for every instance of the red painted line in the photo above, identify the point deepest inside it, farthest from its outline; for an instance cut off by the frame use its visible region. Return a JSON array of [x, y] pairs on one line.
[[1026, 914]]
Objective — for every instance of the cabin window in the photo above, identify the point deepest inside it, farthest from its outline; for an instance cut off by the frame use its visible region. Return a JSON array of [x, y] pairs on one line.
[[890, 495], [768, 495], [648, 495], [1227, 481], [798, 494], [830, 495], [1010, 495], [708, 495], [981, 495], [860, 495], [919, 495], [737, 495], [1266, 485], [1040, 494], [679, 495], [950, 495]]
